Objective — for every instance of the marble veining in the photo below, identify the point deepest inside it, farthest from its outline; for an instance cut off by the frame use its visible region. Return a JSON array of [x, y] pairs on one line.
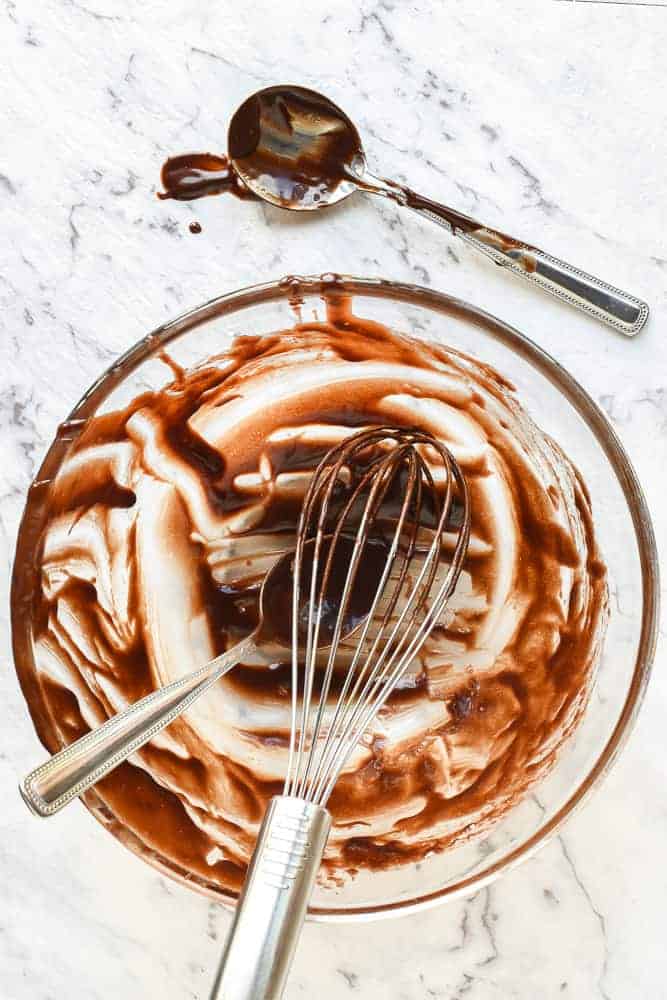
[[545, 119]]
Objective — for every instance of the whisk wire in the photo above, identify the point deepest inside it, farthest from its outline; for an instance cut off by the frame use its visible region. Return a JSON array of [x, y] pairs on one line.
[[352, 674], [381, 481], [402, 611], [376, 474], [328, 471], [382, 679], [359, 725]]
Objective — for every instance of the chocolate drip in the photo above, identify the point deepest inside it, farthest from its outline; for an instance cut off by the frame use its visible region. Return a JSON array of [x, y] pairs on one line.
[[196, 175]]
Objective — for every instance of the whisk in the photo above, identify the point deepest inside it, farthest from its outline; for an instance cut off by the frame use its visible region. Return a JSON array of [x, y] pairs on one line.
[[381, 540]]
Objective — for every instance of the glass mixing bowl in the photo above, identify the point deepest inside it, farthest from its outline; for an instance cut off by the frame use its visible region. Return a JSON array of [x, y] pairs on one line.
[[561, 408]]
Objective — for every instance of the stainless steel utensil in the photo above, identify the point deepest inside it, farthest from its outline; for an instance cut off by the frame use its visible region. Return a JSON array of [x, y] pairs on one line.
[[79, 766], [377, 485], [295, 148]]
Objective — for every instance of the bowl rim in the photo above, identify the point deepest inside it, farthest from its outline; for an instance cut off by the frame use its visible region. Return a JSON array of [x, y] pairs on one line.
[[292, 288]]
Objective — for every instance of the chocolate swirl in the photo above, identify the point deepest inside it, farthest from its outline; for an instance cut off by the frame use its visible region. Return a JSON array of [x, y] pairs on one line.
[[162, 522]]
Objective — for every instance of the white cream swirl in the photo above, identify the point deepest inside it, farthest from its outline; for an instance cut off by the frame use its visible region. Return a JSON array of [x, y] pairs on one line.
[[166, 517]]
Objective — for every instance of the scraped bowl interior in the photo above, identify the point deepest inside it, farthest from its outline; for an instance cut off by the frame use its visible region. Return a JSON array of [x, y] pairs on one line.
[[563, 410]]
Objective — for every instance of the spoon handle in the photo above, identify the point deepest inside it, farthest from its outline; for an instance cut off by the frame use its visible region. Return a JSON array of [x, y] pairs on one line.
[[611, 305], [78, 767]]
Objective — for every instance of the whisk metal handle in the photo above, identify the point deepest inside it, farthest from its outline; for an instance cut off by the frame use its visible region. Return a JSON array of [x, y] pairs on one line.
[[272, 907]]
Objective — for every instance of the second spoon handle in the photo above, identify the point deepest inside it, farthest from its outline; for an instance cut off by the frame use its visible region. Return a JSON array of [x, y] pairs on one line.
[[625, 312], [83, 763], [619, 309]]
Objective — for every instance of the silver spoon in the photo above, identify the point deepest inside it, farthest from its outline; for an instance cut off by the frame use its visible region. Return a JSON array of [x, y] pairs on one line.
[[79, 766], [296, 149]]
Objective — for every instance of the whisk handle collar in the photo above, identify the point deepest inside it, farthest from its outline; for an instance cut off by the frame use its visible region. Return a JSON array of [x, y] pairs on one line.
[[272, 907]]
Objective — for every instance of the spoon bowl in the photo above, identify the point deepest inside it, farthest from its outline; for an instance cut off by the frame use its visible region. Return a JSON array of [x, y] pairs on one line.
[[275, 601], [295, 148]]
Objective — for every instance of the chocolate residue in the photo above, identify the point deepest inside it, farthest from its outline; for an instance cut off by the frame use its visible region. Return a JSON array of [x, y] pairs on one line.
[[457, 220], [195, 228], [297, 149], [162, 523], [278, 617], [294, 144], [196, 175], [291, 144]]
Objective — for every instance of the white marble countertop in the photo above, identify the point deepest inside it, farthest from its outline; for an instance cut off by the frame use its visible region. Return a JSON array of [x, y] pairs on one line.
[[545, 118]]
